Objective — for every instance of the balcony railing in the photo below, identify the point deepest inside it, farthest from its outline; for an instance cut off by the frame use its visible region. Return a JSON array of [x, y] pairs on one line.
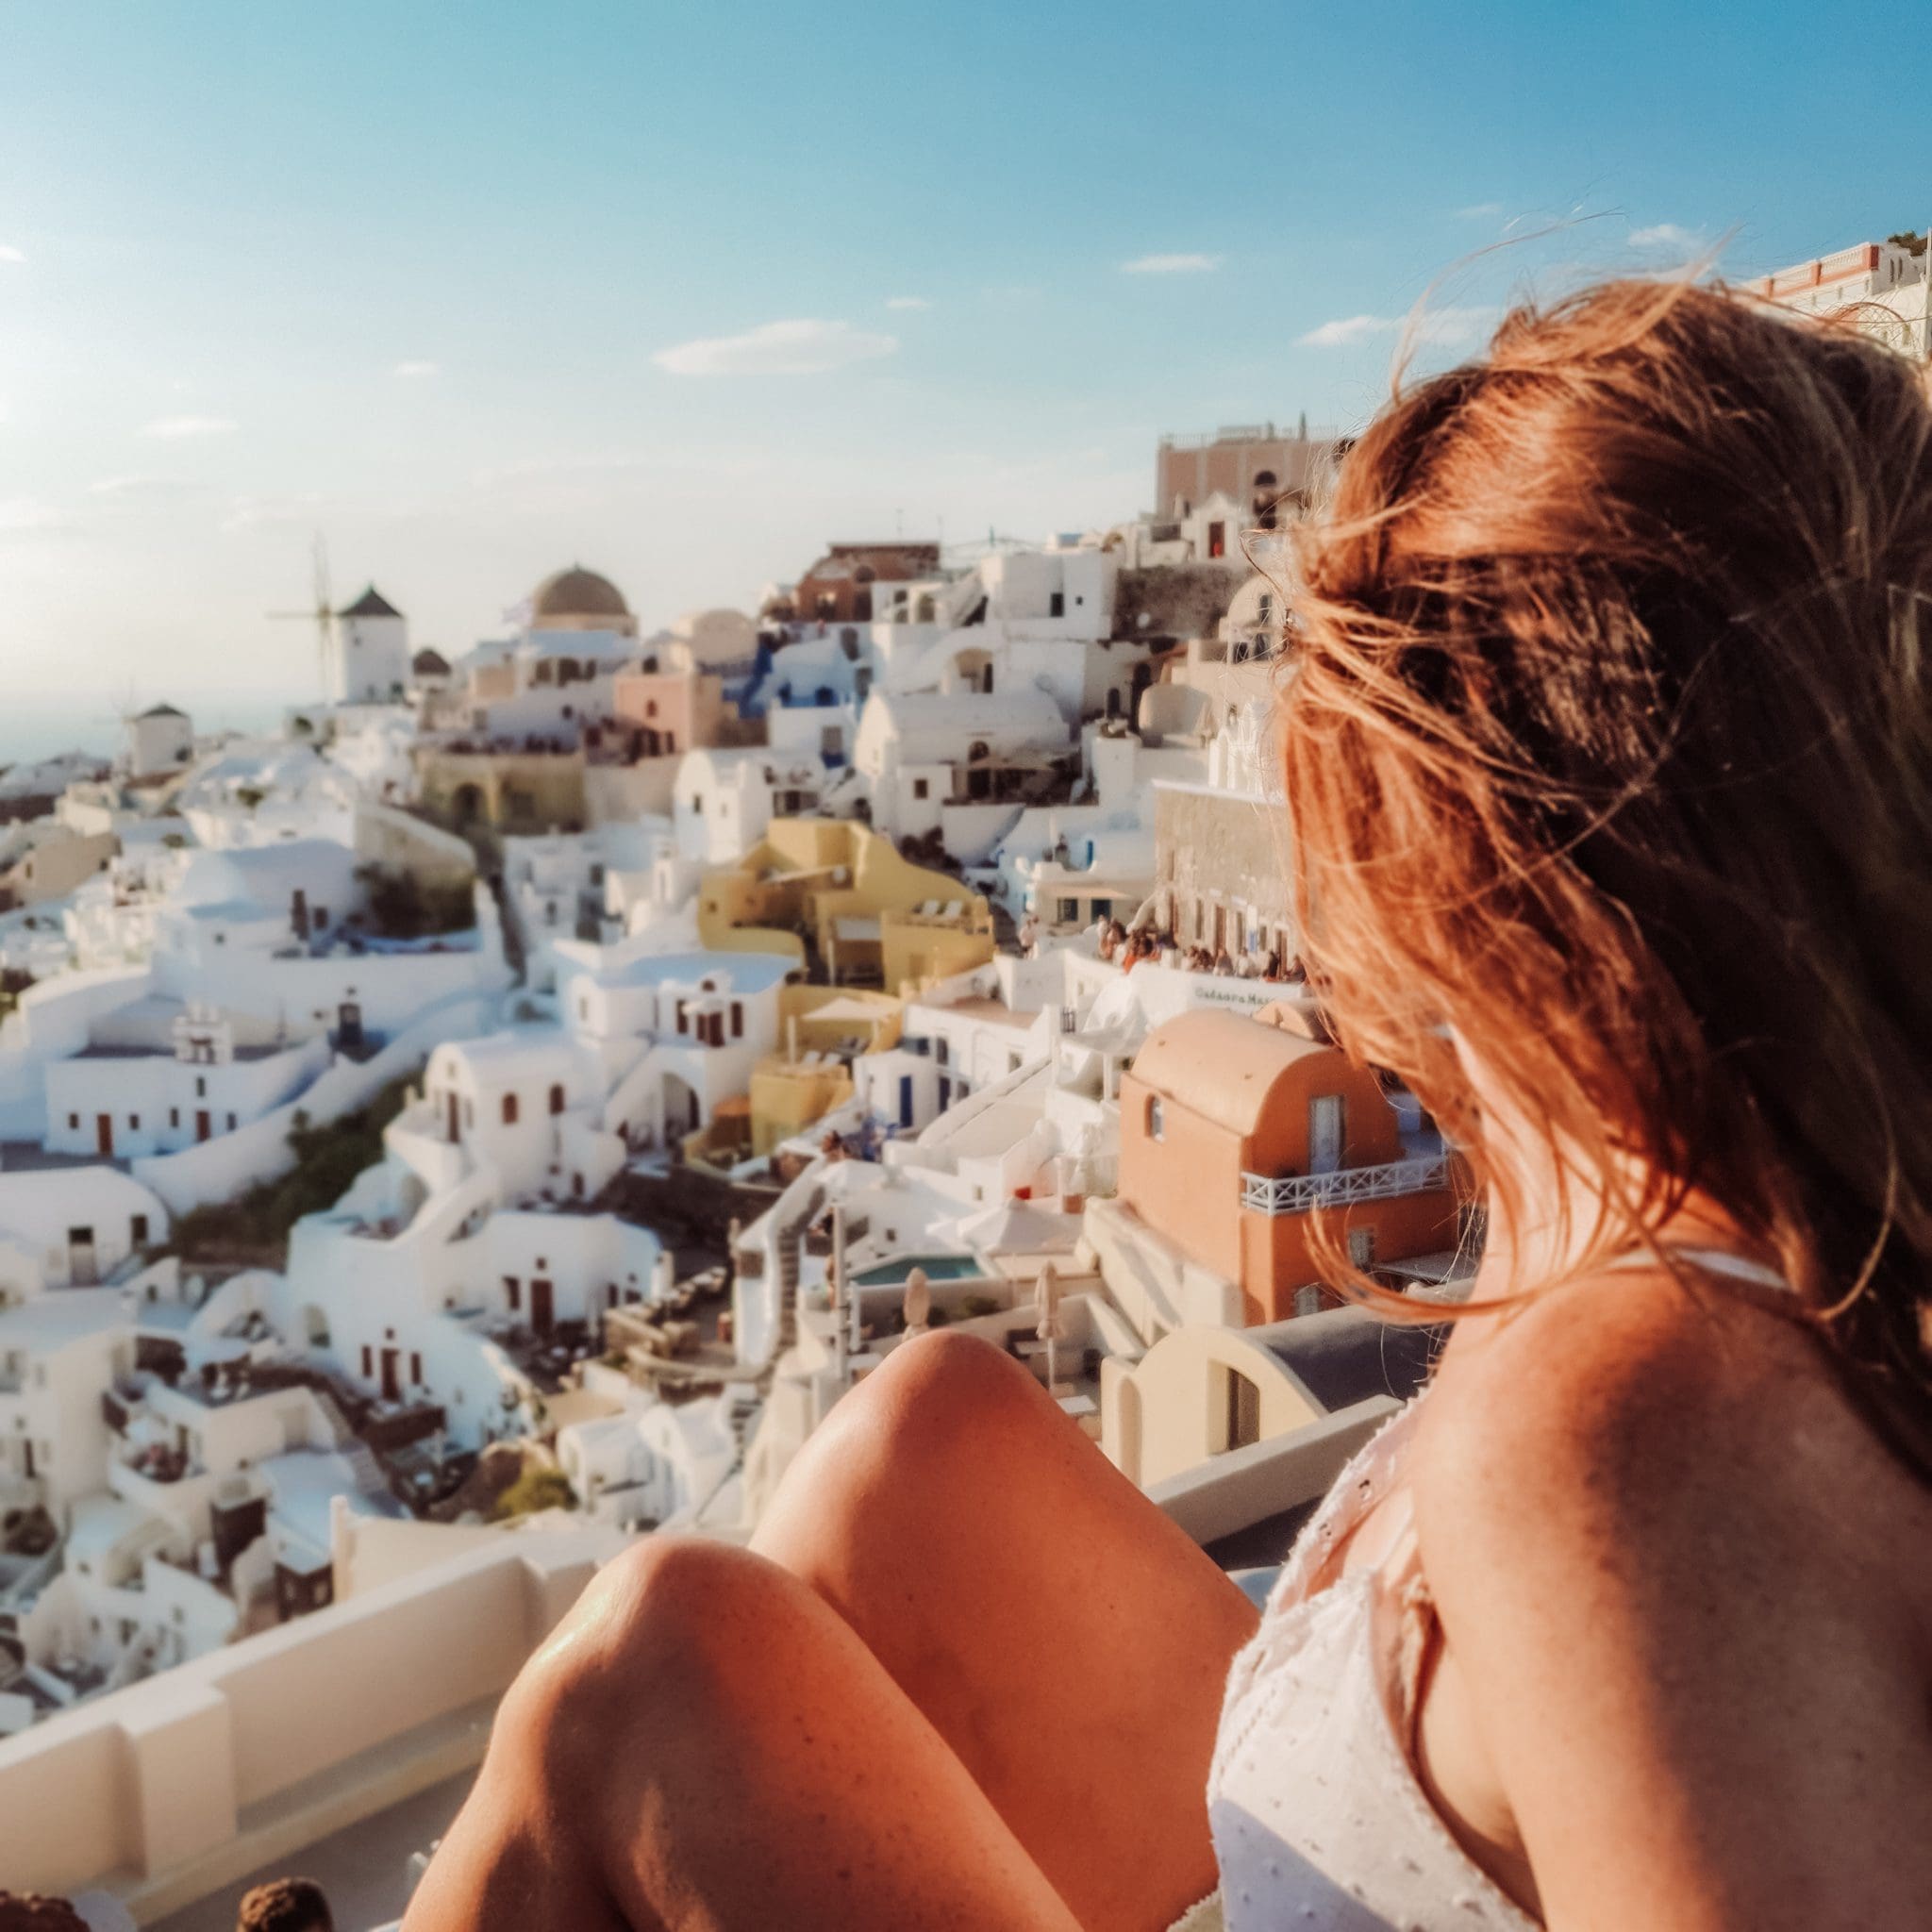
[[1295, 1193]]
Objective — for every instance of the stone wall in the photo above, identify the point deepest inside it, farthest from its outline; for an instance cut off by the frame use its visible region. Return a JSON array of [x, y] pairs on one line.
[[1178, 600], [1227, 851]]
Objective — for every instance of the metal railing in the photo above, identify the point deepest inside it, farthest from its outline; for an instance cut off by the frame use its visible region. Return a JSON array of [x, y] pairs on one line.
[[1295, 1193]]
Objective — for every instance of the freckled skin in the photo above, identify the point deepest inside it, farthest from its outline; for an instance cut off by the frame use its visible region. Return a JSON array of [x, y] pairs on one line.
[[968, 1677], [1686, 1595]]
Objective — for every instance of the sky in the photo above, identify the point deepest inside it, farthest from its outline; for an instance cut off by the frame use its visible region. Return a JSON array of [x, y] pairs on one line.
[[684, 292]]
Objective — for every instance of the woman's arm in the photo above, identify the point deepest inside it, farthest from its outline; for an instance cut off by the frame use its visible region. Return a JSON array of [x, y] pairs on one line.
[[1676, 1576]]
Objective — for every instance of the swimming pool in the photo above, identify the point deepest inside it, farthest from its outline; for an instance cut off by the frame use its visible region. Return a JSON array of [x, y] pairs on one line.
[[937, 1268]]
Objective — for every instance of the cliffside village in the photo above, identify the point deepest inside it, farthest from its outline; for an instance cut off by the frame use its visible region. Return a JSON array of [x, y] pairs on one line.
[[514, 1103]]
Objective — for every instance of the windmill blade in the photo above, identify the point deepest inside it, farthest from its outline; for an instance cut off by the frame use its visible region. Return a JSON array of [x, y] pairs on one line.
[[321, 613], [324, 609]]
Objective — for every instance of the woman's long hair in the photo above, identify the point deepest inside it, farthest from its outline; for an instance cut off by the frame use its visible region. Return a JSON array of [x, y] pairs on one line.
[[1609, 747]]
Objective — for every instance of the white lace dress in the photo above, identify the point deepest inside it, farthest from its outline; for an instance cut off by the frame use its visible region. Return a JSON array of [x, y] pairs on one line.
[[1320, 1821]]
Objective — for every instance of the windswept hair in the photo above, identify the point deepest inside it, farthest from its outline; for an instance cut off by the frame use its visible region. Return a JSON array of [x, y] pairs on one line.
[[1609, 747]]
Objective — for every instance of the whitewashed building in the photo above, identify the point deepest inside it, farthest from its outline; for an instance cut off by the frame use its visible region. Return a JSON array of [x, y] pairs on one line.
[[1880, 287], [917, 754], [73, 1227], [369, 664], [723, 801], [159, 739], [262, 791], [159, 1075]]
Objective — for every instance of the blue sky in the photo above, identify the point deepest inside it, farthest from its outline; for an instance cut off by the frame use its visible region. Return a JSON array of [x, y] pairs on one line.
[[476, 290]]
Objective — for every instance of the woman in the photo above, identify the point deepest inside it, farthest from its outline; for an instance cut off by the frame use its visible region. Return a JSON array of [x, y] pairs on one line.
[[1610, 767]]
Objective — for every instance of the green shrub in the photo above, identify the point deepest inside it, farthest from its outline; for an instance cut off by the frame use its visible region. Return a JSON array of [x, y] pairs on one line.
[[327, 1160], [401, 907], [538, 1488]]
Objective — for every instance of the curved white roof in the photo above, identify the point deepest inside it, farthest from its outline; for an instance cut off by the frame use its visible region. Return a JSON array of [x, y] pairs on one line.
[[268, 875], [741, 972], [61, 1316]]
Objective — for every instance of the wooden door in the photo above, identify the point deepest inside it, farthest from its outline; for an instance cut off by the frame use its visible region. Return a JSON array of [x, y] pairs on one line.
[[1324, 1132], [542, 1308], [103, 1134], [391, 1380], [204, 1124]]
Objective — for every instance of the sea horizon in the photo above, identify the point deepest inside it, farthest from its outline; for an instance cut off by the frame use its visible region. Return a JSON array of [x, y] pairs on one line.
[[32, 729]]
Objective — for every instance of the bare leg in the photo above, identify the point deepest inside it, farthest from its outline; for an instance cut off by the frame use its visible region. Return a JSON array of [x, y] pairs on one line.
[[1068, 1642], [1005, 1724], [704, 1747]]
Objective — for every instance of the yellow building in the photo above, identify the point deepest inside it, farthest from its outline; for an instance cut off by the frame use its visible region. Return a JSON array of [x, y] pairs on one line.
[[516, 792], [834, 889], [1202, 1391], [55, 866], [822, 1027]]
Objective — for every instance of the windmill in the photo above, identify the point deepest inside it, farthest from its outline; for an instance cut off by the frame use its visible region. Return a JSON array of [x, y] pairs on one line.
[[123, 713], [322, 614]]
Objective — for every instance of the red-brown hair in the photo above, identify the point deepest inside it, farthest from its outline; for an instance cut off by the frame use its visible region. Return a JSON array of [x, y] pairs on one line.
[[1608, 746]]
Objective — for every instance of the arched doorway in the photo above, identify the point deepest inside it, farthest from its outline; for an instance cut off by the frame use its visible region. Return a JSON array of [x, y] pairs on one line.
[[410, 1195], [683, 1112], [467, 802]]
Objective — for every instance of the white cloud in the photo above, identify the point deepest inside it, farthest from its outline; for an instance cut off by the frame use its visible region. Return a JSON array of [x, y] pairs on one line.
[[173, 427], [804, 347], [12, 255], [1171, 265], [139, 490], [412, 372], [253, 513], [1346, 329], [907, 301], [1479, 212], [1450, 327], [1666, 235]]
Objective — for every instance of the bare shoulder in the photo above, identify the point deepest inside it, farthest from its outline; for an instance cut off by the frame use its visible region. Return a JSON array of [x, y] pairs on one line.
[[1687, 1591], [1694, 1420]]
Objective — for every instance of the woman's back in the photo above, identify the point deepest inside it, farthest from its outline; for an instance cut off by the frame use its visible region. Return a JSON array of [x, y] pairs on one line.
[[1617, 1489]]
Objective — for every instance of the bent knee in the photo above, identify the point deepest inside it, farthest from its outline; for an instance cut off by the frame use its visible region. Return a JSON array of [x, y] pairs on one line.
[[946, 1362], [941, 1399], [665, 1610]]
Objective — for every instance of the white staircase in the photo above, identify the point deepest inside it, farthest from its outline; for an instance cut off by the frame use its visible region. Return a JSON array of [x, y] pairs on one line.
[[369, 1480]]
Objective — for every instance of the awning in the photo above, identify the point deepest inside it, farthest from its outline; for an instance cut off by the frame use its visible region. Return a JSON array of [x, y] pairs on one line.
[[846, 1010], [1017, 1228]]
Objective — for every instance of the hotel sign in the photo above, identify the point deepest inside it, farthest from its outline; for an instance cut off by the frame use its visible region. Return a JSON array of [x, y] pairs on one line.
[[1241, 995]]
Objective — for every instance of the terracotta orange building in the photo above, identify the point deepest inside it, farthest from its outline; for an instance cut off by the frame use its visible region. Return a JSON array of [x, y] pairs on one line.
[[1237, 1134]]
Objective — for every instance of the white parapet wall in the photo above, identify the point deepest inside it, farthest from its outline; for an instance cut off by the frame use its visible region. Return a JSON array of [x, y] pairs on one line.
[[1235, 1490], [165, 1791]]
